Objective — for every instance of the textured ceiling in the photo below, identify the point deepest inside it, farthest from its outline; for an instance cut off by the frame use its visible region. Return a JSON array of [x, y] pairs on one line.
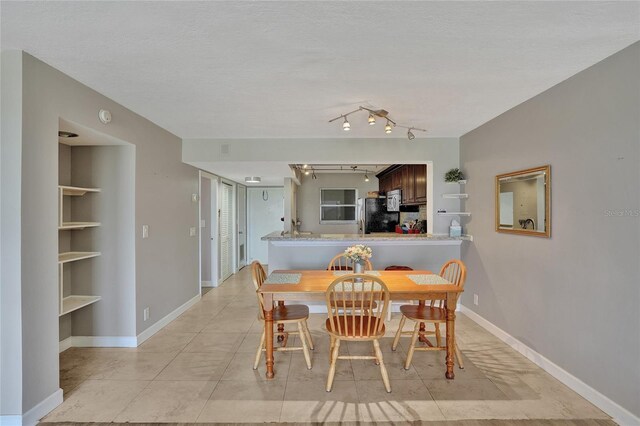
[[283, 69]]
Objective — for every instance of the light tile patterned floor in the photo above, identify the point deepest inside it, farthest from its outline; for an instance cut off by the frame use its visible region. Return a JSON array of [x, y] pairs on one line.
[[198, 369]]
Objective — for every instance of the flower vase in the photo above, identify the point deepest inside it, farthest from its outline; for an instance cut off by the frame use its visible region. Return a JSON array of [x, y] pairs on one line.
[[358, 268]]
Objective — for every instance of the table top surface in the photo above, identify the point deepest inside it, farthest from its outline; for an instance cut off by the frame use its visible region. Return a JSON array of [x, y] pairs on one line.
[[317, 281]]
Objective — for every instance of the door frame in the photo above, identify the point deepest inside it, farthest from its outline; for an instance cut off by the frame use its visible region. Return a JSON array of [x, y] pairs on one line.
[[213, 222], [234, 230], [238, 229]]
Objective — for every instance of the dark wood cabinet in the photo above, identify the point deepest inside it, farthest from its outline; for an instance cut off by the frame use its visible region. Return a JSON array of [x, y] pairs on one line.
[[410, 178], [396, 179], [420, 183]]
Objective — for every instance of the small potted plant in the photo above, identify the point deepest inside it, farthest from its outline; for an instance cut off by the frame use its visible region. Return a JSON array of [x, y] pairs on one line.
[[453, 175], [358, 254]]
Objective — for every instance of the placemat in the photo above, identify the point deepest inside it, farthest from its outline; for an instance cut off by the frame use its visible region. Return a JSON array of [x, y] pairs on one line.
[[278, 278], [428, 279], [341, 273]]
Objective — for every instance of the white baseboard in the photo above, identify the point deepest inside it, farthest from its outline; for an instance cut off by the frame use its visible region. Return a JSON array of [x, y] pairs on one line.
[[207, 284], [31, 417], [98, 342], [619, 414], [125, 341], [159, 325]]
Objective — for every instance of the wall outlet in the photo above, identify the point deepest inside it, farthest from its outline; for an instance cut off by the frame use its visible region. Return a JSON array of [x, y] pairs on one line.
[[475, 299], [145, 314], [192, 231], [145, 231], [203, 224]]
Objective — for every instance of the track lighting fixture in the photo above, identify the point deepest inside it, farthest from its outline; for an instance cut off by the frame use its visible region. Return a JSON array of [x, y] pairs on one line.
[[346, 126], [366, 178], [306, 172], [304, 166], [371, 120], [313, 175]]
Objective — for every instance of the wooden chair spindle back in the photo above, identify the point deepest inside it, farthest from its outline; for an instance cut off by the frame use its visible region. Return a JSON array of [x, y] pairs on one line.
[[258, 276], [341, 263], [455, 272], [367, 308]]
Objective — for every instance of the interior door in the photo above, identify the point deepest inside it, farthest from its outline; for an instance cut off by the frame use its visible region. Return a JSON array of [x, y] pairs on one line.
[[226, 231], [242, 226]]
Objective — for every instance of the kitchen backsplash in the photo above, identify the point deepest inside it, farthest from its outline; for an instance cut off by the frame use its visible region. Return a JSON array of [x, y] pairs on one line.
[[423, 212]]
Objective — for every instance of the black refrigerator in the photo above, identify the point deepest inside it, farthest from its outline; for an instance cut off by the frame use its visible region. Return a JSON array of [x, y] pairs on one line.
[[376, 218]]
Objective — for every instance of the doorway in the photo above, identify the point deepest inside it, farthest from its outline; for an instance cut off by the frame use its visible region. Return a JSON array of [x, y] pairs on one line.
[[242, 226], [208, 230], [226, 230]]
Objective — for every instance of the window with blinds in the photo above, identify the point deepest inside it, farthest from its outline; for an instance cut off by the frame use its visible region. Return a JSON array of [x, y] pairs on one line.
[[338, 205]]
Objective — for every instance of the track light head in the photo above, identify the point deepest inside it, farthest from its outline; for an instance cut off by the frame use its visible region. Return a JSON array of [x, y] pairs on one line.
[[387, 128], [371, 120], [346, 126], [313, 175], [410, 135], [366, 178], [304, 166], [306, 172]]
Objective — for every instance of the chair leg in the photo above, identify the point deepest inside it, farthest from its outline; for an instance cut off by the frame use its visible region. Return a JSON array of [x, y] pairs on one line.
[[398, 333], [305, 348], [332, 343], [459, 356], [438, 336], [412, 348], [307, 333], [332, 368], [383, 369], [259, 351]]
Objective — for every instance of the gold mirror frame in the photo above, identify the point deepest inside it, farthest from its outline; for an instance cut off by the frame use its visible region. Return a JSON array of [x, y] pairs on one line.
[[547, 201]]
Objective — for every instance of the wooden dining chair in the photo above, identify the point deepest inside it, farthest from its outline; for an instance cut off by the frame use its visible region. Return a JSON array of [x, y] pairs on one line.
[[341, 263], [282, 315], [453, 271], [354, 322]]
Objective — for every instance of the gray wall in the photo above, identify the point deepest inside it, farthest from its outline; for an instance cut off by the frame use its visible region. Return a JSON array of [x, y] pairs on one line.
[[166, 263], [573, 298], [10, 225], [308, 203]]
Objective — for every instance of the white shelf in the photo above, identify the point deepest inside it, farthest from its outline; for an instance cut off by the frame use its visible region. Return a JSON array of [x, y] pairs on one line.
[[72, 256], [467, 237], [460, 182], [454, 214], [73, 303], [455, 195], [76, 190], [77, 225]]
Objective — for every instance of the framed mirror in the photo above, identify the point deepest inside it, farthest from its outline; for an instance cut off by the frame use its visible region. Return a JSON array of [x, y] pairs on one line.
[[523, 202]]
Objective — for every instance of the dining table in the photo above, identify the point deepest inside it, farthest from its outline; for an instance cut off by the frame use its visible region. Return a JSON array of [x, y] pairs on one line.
[[311, 285]]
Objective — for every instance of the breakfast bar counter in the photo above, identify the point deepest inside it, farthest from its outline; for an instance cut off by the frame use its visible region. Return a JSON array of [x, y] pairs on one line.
[[313, 251]]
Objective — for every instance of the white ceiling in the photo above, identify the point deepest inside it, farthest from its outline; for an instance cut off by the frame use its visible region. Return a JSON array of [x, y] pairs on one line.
[[283, 69]]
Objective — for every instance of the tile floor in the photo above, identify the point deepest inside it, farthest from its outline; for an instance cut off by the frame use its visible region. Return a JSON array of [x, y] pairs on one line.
[[199, 369]]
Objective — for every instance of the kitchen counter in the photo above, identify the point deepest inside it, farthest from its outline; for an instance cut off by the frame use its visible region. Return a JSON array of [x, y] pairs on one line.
[[378, 236], [314, 251]]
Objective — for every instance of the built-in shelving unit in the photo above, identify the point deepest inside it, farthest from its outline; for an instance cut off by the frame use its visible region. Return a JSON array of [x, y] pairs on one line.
[[76, 190], [72, 256], [64, 226], [72, 302], [458, 196]]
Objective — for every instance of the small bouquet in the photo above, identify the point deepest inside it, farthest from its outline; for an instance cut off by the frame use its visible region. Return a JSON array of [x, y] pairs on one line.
[[358, 253]]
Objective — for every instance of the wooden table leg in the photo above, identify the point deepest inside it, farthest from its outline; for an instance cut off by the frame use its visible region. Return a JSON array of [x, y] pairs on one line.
[[280, 326], [268, 330], [422, 337], [451, 336]]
